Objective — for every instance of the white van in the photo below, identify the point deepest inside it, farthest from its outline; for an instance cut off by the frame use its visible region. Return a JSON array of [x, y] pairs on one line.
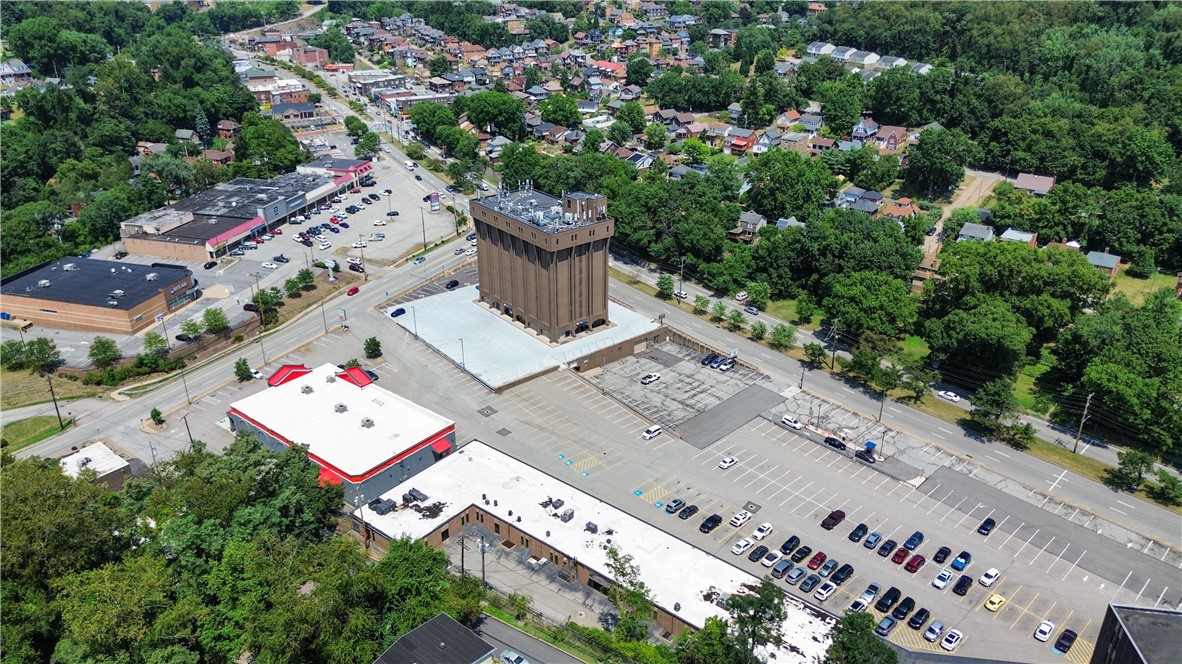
[[651, 432], [410, 165]]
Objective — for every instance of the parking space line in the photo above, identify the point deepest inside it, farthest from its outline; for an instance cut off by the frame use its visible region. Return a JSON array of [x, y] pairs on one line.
[[795, 494], [1073, 566], [1044, 548], [1057, 558], [782, 487], [1027, 542], [967, 515], [1012, 534], [1023, 610], [761, 476]]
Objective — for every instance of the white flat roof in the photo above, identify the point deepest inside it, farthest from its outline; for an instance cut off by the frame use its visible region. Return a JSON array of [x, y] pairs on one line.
[[339, 438], [97, 457], [496, 351], [674, 570]]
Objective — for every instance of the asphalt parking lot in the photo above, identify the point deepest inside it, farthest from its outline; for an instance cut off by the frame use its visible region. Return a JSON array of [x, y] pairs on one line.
[[568, 427]]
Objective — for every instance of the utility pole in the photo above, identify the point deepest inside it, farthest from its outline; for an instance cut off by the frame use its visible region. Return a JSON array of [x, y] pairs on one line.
[[53, 396], [423, 217], [463, 547], [802, 368], [1083, 418], [365, 275], [185, 419], [833, 336], [681, 277]]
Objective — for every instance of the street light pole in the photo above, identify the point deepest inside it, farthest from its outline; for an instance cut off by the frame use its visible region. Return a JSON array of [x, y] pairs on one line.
[[323, 317], [364, 274], [186, 384], [423, 217], [185, 419], [415, 319], [1078, 434], [463, 361], [53, 396]]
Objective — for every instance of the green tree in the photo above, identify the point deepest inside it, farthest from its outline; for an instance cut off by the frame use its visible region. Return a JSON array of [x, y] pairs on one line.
[[765, 61], [815, 354], [560, 110], [1132, 465], [593, 140], [498, 110], [155, 344], [632, 114], [936, 164], [354, 126], [994, 403], [103, 352], [988, 335], [854, 642], [242, 369], [430, 117], [156, 417], [41, 355], [870, 302], [718, 310], [758, 330], [1168, 490], [293, 288], [307, 279], [639, 71], [757, 616], [702, 304], [415, 151], [191, 328], [631, 596], [368, 146], [269, 143], [1019, 436], [373, 348], [336, 43], [439, 65], [695, 151], [788, 184], [619, 133], [215, 320], [665, 287], [806, 308], [783, 336], [713, 644], [841, 102], [735, 320], [655, 136], [758, 294]]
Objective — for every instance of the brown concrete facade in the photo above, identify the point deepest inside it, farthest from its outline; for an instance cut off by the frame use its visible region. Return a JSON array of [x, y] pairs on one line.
[[152, 246], [514, 536], [552, 279], [102, 319]]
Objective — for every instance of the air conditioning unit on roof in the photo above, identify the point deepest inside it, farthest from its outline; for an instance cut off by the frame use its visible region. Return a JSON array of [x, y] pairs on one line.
[[340, 408]]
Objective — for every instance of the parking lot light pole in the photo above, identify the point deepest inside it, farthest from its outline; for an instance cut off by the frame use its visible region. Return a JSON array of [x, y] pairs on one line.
[[364, 274], [423, 217], [463, 360]]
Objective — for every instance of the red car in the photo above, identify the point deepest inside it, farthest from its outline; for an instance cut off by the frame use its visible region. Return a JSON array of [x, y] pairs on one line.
[[915, 563], [277, 231], [335, 220], [817, 560], [900, 556], [353, 291]]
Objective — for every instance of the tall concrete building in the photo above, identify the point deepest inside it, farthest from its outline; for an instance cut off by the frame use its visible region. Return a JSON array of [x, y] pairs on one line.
[[542, 261]]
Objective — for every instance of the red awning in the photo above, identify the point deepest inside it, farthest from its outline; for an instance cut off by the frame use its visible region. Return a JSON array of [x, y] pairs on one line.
[[442, 446], [328, 477]]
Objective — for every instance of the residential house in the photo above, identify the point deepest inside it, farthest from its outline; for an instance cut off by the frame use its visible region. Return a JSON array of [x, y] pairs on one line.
[[865, 130], [975, 233], [720, 38], [842, 53], [901, 209], [1023, 237], [921, 68], [257, 75], [187, 136], [653, 11], [630, 93], [865, 206], [309, 56], [664, 116], [928, 269], [891, 138], [739, 141], [848, 146], [770, 138], [848, 196], [680, 171], [789, 118], [785, 69], [640, 160], [816, 9], [734, 111], [219, 157], [748, 228], [588, 107], [890, 62], [1104, 262], [791, 222], [874, 197], [537, 93], [293, 111], [811, 123], [228, 129], [818, 48], [14, 72], [1035, 185], [818, 144], [863, 58], [440, 640], [869, 75], [148, 148]]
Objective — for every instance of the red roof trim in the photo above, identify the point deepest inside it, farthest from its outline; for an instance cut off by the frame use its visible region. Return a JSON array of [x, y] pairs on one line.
[[354, 375], [287, 372]]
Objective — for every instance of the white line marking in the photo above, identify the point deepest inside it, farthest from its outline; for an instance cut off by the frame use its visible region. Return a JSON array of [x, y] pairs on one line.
[[1126, 504], [946, 430]]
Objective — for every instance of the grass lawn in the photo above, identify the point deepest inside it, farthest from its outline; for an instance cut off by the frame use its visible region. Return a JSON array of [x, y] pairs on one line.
[[1137, 289], [785, 310], [634, 282], [30, 431], [21, 388], [914, 349], [573, 649]]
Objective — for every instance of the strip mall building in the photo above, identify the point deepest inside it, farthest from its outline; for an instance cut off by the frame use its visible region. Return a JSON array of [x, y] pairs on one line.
[[362, 436]]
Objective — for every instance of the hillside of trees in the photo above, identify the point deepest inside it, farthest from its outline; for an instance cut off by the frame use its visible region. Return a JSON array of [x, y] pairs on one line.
[[127, 75]]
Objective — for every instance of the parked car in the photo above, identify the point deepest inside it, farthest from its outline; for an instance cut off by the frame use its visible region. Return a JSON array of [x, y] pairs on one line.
[[710, 523], [650, 378], [270, 266], [835, 443], [989, 577], [914, 541], [942, 578], [281, 259], [934, 631], [811, 582], [887, 601], [995, 602], [762, 531], [791, 422], [727, 462], [951, 640], [790, 545], [886, 548], [801, 553], [827, 569], [1044, 631], [710, 357], [825, 591], [986, 526], [757, 553], [210, 265], [794, 576], [397, 312], [917, 621], [740, 517], [742, 546], [727, 364], [962, 561], [962, 585], [781, 568], [915, 563], [451, 285], [904, 609], [941, 555], [120, 255], [900, 556], [872, 540], [250, 306], [1065, 641], [511, 657], [817, 560], [858, 532], [870, 593], [674, 505], [770, 558], [687, 512], [885, 626], [843, 574], [833, 520], [864, 456]]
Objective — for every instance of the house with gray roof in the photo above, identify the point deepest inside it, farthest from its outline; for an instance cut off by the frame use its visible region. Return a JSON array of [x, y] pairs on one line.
[[1104, 262], [975, 233]]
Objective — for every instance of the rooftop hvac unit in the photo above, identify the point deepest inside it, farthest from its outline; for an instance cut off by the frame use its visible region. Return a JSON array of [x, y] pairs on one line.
[[84, 461], [307, 389], [567, 515], [117, 293], [44, 283], [367, 423], [340, 408], [113, 303], [70, 267], [152, 276], [330, 379]]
